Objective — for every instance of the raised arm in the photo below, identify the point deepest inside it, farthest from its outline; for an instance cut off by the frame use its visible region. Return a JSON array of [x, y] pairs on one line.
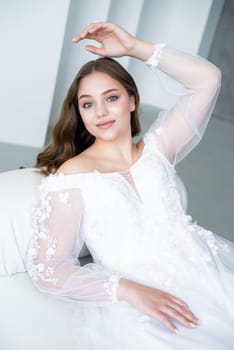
[[180, 129], [55, 246]]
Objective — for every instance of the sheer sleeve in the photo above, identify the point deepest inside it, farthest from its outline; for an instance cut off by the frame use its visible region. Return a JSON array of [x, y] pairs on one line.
[[196, 82], [53, 254]]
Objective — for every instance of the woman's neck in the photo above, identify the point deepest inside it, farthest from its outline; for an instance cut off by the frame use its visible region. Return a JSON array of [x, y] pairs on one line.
[[122, 152]]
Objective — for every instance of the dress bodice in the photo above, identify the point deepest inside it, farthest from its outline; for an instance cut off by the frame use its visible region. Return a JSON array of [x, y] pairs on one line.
[[118, 217]]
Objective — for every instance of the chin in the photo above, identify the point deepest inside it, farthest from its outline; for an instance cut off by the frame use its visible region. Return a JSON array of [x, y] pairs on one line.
[[108, 138]]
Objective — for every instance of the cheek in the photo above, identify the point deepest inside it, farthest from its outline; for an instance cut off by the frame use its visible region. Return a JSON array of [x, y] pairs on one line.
[[122, 108], [125, 110], [86, 116], [87, 122]]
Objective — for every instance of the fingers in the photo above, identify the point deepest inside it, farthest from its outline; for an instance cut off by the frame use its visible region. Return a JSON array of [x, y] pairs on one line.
[[91, 29], [159, 305], [114, 40], [166, 321], [178, 300], [180, 316], [186, 313], [182, 307], [168, 308], [83, 34], [96, 50], [180, 311], [167, 314]]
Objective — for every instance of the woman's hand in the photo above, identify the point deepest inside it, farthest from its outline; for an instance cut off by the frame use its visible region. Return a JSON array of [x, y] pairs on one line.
[[115, 41], [157, 304]]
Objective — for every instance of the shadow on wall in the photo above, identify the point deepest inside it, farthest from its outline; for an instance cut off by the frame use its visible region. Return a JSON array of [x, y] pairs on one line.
[[222, 54], [15, 156]]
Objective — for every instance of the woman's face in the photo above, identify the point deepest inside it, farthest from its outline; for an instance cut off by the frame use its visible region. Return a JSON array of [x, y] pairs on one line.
[[105, 106]]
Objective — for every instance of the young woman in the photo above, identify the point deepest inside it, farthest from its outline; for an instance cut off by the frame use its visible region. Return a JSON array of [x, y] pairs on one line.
[[158, 280]]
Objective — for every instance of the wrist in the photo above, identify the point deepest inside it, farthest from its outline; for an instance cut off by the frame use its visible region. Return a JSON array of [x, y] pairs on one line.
[[154, 60], [111, 286], [121, 291], [124, 289], [142, 50]]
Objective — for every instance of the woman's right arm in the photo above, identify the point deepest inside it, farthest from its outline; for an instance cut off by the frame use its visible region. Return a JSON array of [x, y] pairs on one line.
[[55, 245]]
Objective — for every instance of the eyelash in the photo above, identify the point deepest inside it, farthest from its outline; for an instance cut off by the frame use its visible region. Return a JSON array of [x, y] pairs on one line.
[[112, 98], [85, 105]]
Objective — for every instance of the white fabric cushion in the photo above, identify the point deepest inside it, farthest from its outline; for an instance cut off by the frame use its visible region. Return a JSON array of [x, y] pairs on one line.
[[18, 189], [32, 320]]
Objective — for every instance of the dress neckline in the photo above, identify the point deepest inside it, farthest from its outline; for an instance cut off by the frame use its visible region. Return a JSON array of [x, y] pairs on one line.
[[95, 171], [125, 171]]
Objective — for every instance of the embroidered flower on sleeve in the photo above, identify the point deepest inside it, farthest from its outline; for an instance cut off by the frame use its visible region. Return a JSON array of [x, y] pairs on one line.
[[159, 131], [64, 197]]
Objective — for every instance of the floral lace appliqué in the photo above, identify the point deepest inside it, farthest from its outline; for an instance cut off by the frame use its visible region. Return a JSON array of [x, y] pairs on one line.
[[111, 287], [41, 235], [154, 60]]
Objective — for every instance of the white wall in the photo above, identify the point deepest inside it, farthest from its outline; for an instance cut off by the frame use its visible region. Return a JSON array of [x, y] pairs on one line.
[[211, 27], [73, 56], [31, 37]]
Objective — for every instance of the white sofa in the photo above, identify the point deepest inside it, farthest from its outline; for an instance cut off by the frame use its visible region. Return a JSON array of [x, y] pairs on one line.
[[29, 319]]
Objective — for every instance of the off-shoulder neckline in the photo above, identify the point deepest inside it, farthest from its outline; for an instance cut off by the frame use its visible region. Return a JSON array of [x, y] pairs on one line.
[[95, 171], [115, 173]]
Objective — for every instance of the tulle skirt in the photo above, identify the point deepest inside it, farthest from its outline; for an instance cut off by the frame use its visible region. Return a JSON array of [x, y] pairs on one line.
[[120, 326]]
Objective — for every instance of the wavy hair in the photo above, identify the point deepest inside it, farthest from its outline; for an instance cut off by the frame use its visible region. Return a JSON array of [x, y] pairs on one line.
[[69, 135]]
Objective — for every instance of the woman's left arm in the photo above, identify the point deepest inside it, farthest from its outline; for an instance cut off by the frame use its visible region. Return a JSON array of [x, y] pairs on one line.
[[180, 129]]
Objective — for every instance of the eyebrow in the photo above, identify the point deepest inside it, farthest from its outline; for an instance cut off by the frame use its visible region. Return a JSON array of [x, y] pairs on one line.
[[103, 93]]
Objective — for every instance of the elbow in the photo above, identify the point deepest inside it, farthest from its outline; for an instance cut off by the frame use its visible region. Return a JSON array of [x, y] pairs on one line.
[[215, 78], [211, 82], [46, 285], [218, 76], [42, 276]]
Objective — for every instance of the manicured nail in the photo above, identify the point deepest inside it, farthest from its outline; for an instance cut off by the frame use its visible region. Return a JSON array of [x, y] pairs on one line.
[[192, 324]]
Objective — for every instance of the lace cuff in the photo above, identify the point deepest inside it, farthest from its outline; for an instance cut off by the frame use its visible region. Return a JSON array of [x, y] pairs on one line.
[[111, 287], [154, 59]]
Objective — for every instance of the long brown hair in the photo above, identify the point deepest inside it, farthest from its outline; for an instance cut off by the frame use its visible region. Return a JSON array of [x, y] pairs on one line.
[[69, 136]]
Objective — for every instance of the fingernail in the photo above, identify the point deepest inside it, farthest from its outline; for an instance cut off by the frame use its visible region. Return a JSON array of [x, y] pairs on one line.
[[192, 324], [176, 330], [74, 39]]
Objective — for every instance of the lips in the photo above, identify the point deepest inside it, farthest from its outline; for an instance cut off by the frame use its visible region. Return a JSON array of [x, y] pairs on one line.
[[105, 124]]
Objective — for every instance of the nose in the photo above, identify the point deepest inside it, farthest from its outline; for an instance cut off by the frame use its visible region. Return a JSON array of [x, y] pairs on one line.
[[101, 110]]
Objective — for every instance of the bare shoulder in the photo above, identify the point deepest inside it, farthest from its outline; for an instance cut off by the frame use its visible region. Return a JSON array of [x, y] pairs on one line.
[[81, 163]]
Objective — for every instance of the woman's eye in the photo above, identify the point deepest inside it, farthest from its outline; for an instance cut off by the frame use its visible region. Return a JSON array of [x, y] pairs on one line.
[[112, 98], [87, 105]]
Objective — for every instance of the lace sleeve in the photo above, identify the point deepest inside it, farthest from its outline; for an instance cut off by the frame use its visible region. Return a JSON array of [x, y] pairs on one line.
[[52, 257], [196, 82]]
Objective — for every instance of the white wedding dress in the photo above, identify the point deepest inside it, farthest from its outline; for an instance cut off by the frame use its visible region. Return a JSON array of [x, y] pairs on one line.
[[135, 227]]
